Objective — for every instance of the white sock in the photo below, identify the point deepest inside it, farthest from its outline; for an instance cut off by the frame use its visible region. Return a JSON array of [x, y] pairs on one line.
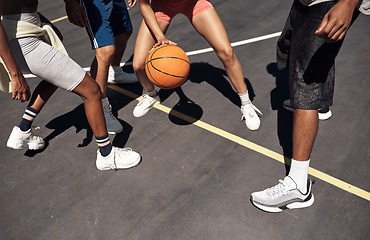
[[244, 97], [152, 93], [299, 173]]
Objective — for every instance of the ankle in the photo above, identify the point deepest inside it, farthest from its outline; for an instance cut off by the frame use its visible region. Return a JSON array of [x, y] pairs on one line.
[[152, 93], [299, 173], [104, 144]]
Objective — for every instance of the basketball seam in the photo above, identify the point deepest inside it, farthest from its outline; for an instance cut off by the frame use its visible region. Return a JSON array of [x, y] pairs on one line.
[[148, 70], [152, 59]]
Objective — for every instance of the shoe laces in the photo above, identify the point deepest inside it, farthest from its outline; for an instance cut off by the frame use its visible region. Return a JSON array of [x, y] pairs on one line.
[[109, 111], [250, 110], [119, 151], [280, 189], [145, 99]]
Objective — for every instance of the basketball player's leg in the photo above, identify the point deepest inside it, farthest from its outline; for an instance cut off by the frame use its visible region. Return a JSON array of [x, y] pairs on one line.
[[90, 92], [120, 42], [41, 95], [210, 26], [70, 76], [311, 80], [144, 43], [101, 34], [108, 157], [122, 30], [100, 65], [305, 126]]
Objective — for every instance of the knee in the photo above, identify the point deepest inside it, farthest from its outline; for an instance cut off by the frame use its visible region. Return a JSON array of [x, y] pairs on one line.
[[88, 89], [226, 54], [105, 54], [138, 66], [93, 89]]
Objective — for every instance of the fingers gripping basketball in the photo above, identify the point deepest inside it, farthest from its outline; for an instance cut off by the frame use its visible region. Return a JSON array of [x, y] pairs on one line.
[[167, 66]]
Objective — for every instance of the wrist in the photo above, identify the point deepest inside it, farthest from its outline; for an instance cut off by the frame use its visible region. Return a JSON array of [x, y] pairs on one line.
[[350, 3]]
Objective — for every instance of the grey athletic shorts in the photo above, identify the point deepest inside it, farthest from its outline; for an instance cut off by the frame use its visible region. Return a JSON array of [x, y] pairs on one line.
[[39, 58], [310, 59]]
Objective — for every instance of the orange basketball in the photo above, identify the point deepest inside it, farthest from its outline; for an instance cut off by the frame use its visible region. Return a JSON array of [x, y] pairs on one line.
[[167, 66]]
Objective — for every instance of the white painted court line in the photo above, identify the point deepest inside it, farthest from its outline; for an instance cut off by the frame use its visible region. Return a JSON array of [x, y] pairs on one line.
[[196, 52], [235, 44], [316, 173]]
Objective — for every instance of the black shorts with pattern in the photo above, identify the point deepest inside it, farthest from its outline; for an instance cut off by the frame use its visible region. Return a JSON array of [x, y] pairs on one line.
[[311, 60]]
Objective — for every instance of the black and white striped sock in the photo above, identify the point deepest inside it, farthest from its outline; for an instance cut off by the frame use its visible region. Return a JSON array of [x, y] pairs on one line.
[[104, 144], [27, 119]]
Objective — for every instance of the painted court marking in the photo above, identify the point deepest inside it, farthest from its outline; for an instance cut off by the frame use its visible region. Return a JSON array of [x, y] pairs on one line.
[[255, 147], [241, 141]]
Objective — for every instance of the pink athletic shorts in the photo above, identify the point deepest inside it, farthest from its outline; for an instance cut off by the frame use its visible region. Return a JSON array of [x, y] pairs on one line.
[[166, 10]]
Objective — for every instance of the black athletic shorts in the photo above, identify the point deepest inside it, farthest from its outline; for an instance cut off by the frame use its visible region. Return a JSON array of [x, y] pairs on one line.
[[310, 59]]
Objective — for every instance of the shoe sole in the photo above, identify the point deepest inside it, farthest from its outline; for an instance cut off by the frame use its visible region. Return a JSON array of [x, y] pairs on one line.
[[325, 116], [105, 167], [294, 205], [322, 116], [30, 146], [114, 132], [289, 108]]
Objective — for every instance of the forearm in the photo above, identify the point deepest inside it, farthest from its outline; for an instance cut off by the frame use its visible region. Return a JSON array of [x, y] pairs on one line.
[[150, 19]]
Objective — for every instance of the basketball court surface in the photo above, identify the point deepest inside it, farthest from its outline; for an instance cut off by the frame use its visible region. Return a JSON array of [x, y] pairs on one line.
[[199, 161]]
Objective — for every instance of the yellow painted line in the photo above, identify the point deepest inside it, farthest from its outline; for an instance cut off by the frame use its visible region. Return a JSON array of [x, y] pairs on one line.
[[255, 147], [58, 19], [241, 141]]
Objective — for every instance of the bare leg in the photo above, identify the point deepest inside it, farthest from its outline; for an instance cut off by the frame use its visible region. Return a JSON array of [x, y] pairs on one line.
[[90, 92], [210, 26], [41, 95], [144, 42], [305, 126], [120, 42], [100, 66]]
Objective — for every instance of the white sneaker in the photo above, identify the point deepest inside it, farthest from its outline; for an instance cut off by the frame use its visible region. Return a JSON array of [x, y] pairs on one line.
[[118, 76], [119, 158], [113, 125], [145, 103], [324, 114], [19, 139], [249, 113], [284, 195]]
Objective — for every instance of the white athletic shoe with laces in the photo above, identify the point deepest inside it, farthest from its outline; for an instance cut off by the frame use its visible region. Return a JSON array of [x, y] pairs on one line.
[[118, 76], [145, 103], [113, 125], [119, 158], [284, 195], [324, 114], [249, 114], [19, 140]]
